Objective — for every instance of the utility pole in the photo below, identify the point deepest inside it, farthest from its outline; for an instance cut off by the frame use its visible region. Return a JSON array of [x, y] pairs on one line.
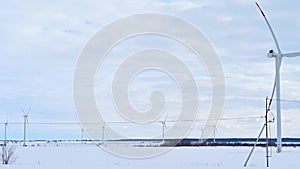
[[265, 126]]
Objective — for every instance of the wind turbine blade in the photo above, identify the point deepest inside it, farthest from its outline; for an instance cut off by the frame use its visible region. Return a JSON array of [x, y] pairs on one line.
[[23, 111], [272, 95], [291, 54], [6, 118], [270, 28], [29, 109], [27, 124], [166, 117], [278, 49], [274, 87]]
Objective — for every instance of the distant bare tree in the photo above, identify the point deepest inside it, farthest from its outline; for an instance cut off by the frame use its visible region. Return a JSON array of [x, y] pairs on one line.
[[8, 154]]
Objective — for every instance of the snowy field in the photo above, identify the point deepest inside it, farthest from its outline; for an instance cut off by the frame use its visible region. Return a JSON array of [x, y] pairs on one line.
[[90, 156]]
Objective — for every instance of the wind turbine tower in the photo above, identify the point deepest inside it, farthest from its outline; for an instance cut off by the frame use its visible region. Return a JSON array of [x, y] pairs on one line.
[[5, 132]]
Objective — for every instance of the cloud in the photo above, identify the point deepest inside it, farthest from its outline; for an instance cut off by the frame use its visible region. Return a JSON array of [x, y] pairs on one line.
[[42, 40]]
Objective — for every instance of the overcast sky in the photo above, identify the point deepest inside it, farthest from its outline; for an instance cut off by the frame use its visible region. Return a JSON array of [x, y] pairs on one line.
[[42, 40]]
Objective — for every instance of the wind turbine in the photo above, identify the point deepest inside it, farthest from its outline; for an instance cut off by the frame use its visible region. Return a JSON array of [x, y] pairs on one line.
[[5, 129], [82, 132], [164, 127], [278, 57], [215, 130], [25, 115], [103, 134]]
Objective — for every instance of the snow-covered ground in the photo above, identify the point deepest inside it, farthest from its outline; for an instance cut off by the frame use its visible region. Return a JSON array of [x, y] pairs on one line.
[[90, 156]]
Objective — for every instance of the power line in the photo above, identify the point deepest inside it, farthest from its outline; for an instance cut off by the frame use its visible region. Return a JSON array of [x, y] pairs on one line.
[[288, 100], [127, 122]]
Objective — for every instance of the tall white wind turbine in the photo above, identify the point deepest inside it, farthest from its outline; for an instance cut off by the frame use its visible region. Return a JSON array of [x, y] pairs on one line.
[[26, 123], [278, 57]]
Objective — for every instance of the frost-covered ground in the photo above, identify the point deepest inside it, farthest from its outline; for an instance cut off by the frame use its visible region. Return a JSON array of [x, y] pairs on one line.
[[89, 156]]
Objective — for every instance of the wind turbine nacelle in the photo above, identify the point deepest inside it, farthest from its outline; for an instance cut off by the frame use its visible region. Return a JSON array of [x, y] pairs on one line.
[[271, 53]]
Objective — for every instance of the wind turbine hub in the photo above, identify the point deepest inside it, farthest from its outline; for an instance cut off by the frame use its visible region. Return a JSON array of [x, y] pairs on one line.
[[271, 53]]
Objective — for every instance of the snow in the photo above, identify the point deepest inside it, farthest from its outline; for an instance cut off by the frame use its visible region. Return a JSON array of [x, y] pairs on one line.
[[79, 156]]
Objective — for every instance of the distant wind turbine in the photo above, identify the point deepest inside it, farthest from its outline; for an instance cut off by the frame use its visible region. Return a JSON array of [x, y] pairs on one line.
[[215, 130], [103, 134], [278, 57], [82, 132], [26, 124], [164, 128], [5, 131]]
